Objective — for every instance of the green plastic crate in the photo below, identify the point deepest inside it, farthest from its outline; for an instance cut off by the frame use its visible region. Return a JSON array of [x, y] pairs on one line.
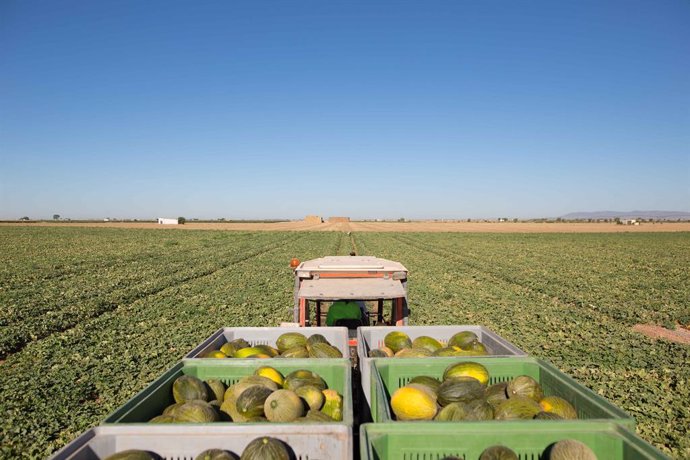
[[432, 441], [157, 396], [391, 374]]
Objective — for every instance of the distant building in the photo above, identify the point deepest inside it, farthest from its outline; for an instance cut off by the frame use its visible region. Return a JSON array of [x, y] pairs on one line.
[[338, 219], [630, 222], [166, 221], [313, 219]]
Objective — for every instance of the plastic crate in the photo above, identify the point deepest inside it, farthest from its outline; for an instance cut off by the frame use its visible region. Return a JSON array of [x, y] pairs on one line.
[[337, 336], [369, 338], [309, 442], [157, 396], [390, 374], [431, 441]]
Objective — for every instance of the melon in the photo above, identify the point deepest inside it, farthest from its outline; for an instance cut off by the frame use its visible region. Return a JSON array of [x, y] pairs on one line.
[[248, 352], [558, 406], [312, 396], [498, 453], [333, 405], [426, 342], [215, 354], [432, 383], [266, 448], [165, 418], [251, 402], [215, 389], [268, 350], [271, 374], [295, 352], [290, 340], [323, 350], [317, 338], [463, 339], [229, 349], [303, 377], [196, 411], [467, 369], [547, 416], [479, 409], [517, 408], [453, 412], [526, 386], [283, 406], [240, 343], [413, 404], [187, 388], [216, 454], [377, 353], [459, 389], [413, 353], [496, 393], [397, 340], [570, 449]]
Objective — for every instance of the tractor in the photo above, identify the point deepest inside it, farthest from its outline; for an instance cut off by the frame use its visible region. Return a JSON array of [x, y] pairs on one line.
[[378, 285]]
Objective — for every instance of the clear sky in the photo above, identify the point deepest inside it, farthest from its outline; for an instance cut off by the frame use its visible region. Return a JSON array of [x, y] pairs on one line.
[[370, 109]]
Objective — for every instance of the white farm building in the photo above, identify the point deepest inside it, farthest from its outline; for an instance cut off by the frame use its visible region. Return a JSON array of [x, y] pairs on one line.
[[166, 221]]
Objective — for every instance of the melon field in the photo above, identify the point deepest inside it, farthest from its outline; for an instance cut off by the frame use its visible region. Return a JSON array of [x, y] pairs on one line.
[[90, 316]]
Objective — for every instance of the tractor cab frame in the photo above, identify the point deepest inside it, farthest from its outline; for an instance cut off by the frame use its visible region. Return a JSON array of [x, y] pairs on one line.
[[381, 284]]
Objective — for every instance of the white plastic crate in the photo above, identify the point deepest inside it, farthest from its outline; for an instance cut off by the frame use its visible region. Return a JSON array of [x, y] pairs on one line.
[[372, 337], [337, 336], [308, 442]]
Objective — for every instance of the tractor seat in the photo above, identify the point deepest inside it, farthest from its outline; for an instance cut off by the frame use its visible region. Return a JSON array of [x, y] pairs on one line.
[[350, 323]]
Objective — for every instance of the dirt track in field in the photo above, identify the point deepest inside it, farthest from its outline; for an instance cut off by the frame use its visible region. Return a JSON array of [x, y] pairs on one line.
[[476, 227]]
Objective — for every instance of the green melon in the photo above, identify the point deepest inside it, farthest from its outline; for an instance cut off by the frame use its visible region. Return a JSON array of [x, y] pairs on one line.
[[467, 369], [240, 343], [290, 340], [131, 454], [559, 406], [283, 406], [459, 389], [165, 418], [251, 402], [477, 348], [526, 386], [496, 393], [413, 353], [570, 449], [453, 412], [187, 388], [432, 383], [215, 389], [463, 339], [216, 454], [315, 416], [268, 350], [317, 338], [446, 351], [479, 409], [498, 453], [397, 340], [426, 342], [517, 408], [266, 448], [303, 377], [229, 349], [196, 411], [295, 352], [323, 350], [311, 395]]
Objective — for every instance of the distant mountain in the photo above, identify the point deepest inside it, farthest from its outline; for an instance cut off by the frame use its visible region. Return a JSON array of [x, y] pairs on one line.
[[657, 215]]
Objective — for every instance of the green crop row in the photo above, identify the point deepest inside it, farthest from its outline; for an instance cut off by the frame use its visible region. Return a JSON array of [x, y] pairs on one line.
[[451, 283]]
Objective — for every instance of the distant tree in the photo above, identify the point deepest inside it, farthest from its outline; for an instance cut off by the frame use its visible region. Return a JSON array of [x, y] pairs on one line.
[[402, 219], [469, 220], [56, 216], [181, 220], [515, 219], [24, 218]]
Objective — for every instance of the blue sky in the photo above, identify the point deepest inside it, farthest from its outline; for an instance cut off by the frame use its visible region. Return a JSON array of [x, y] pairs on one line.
[[385, 109]]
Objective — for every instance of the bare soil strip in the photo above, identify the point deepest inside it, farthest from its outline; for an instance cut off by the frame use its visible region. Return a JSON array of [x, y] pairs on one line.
[[468, 227], [680, 335]]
